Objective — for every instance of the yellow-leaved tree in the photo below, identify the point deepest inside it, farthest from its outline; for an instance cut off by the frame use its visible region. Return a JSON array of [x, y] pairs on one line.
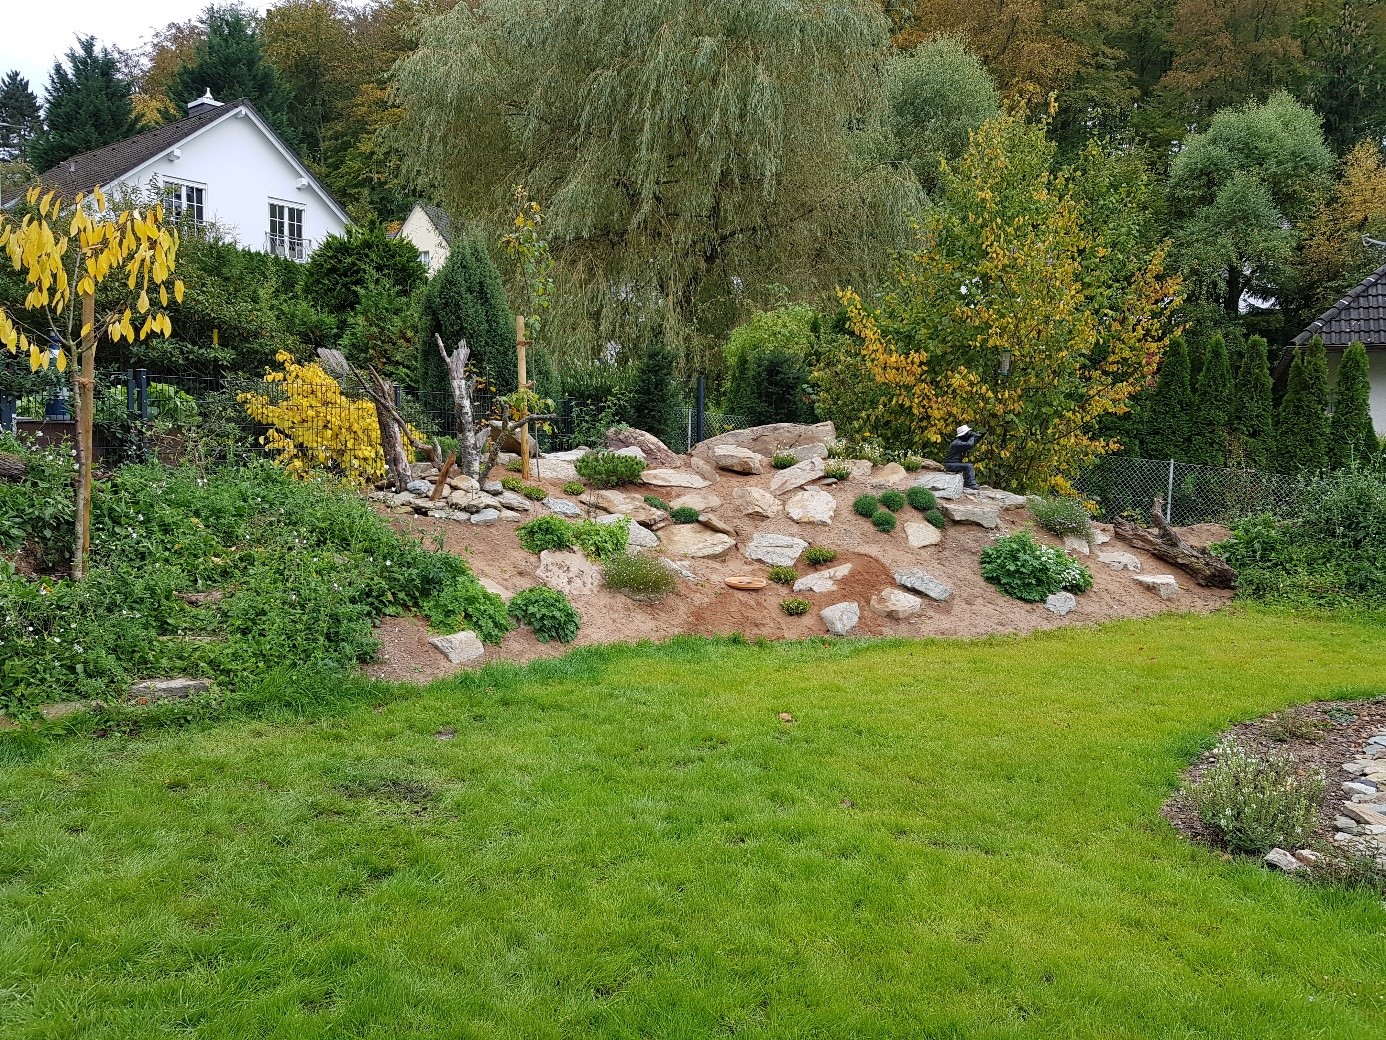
[[1033, 307], [69, 253]]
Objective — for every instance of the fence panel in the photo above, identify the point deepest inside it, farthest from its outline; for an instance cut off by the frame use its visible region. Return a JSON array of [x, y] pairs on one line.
[[714, 425], [1124, 486]]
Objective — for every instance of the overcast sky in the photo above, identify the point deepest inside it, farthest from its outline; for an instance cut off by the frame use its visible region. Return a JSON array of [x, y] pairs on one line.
[[34, 35]]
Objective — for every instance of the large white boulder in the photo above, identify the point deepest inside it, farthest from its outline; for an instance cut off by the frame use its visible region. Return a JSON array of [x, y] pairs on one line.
[[736, 459], [841, 618], [754, 501], [777, 550], [811, 506]]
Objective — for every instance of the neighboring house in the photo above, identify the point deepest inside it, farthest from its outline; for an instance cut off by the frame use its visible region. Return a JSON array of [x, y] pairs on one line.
[[1359, 317], [430, 230], [223, 165]]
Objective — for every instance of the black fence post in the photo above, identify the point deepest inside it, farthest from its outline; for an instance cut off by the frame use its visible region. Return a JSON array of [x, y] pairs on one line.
[[142, 408], [8, 408], [700, 414]]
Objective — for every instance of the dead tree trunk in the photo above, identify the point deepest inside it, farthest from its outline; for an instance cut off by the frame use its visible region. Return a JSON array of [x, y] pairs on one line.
[[393, 428], [1160, 540], [463, 385], [12, 467]]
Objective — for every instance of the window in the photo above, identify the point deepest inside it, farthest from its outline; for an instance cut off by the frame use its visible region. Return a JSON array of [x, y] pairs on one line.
[[185, 200], [286, 231], [423, 257]]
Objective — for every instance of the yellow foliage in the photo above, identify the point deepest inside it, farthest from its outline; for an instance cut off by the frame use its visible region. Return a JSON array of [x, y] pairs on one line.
[[314, 426]]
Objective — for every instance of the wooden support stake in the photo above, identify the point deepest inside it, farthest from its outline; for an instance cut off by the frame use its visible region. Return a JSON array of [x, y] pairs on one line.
[[443, 475], [520, 344]]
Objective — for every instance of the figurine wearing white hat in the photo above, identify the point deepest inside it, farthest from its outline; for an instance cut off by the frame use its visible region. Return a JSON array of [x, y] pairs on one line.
[[966, 440]]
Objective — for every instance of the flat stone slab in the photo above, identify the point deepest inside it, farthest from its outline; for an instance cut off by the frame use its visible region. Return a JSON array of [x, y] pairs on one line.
[[967, 513], [563, 507], [459, 647], [1061, 603], [1165, 584], [925, 583], [736, 459], [714, 523], [485, 516], [1076, 543], [796, 476], [777, 550], [1000, 499], [1363, 814], [896, 604], [937, 481], [811, 506], [921, 536], [823, 581], [169, 689], [1118, 560], [841, 618], [753, 501], [568, 572], [518, 503], [696, 542], [702, 501], [551, 467], [680, 478]]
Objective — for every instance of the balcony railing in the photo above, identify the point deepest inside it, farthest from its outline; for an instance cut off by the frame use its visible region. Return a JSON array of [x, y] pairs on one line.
[[288, 246]]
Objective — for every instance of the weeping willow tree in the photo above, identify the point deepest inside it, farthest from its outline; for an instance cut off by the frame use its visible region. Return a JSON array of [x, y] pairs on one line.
[[693, 156]]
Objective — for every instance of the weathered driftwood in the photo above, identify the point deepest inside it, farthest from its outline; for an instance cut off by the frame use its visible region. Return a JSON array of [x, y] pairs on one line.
[[12, 467], [1161, 541], [394, 429], [463, 386]]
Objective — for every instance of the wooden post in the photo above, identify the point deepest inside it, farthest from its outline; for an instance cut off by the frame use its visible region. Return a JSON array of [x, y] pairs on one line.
[[520, 344], [85, 403]]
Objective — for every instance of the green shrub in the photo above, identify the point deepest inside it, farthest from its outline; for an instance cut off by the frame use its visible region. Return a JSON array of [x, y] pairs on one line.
[[574, 488], [642, 577], [893, 500], [514, 466], [783, 461], [884, 521], [548, 612], [921, 498], [1023, 568], [684, 515], [911, 464], [837, 471], [795, 606], [512, 483], [533, 492], [783, 575], [466, 603], [606, 469], [816, 555], [866, 505], [600, 541], [1256, 803], [545, 532], [655, 502], [1062, 515], [936, 517]]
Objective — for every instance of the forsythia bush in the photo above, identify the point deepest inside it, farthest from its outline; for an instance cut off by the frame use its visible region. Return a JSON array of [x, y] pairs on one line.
[[315, 426]]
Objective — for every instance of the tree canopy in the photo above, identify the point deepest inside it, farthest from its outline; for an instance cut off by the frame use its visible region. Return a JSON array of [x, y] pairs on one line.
[[19, 115], [229, 60], [88, 104]]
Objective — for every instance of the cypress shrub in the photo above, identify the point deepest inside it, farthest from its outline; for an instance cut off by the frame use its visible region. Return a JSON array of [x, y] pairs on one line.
[[1212, 407], [655, 403], [1171, 407], [466, 300], [1351, 437], [1253, 405], [1301, 425]]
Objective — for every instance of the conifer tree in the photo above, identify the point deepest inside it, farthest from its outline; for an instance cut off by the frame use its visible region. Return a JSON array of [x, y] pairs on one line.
[[1301, 425], [1212, 406], [87, 105], [1169, 410], [1253, 405], [19, 114], [655, 404], [466, 300], [1351, 436], [230, 62]]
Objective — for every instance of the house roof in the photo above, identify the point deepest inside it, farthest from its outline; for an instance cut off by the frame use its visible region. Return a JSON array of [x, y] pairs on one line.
[[439, 219], [1359, 317], [114, 161]]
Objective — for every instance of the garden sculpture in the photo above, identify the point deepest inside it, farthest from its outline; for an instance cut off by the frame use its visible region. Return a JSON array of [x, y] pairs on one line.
[[966, 440]]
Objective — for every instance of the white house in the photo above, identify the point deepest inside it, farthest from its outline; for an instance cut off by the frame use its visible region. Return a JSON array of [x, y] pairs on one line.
[[430, 230], [1359, 317], [222, 164]]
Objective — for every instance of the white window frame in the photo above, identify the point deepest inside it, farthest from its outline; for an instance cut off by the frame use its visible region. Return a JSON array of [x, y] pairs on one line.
[[285, 236], [176, 194]]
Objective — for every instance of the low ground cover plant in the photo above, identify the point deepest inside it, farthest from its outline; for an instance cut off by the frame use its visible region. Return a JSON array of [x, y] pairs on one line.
[[545, 532], [921, 498], [883, 521], [533, 492], [866, 505], [655, 502], [795, 606], [837, 471], [1256, 802], [783, 461], [893, 500], [606, 469], [550, 531], [600, 541], [684, 515], [574, 488], [783, 575], [1023, 568], [546, 611], [641, 576], [935, 516], [911, 464], [1060, 515], [817, 555]]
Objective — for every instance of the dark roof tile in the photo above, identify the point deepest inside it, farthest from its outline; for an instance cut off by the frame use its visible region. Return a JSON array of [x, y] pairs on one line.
[[1360, 316]]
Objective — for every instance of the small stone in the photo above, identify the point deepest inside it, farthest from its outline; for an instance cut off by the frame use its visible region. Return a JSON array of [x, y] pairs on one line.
[[446, 733], [568, 572], [1076, 543], [1362, 814], [1345, 825], [551, 468], [965, 513], [419, 487], [169, 689], [1000, 499], [704, 469], [462, 482], [510, 500], [1099, 536], [404, 498], [681, 569], [888, 475], [563, 507], [921, 536], [1357, 787], [754, 501], [895, 604], [492, 487], [633, 451], [796, 476], [673, 478], [841, 618], [1307, 856], [777, 550], [462, 646], [1165, 584], [1282, 860], [485, 516], [1061, 603], [1118, 560], [811, 450], [823, 581], [811, 506], [712, 523], [509, 516], [941, 484], [736, 459], [702, 501], [920, 581], [786, 717]]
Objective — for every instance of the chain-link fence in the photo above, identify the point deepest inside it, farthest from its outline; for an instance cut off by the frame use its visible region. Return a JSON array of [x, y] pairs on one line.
[[714, 425], [1123, 486]]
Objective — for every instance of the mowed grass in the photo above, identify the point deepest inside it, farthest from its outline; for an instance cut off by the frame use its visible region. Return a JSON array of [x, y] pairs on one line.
[[951, 840]]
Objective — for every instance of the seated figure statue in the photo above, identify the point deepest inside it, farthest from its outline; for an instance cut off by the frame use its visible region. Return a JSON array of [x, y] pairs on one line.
[[966, 440]]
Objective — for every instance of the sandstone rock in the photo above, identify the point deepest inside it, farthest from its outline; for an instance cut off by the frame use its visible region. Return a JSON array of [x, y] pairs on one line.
[[462, 482], [823, 581], [966, 513], [713, 523], [462, 646], [920, 536], [938, 481], [860, 468], [1282, 860], [550, 468], [888, 475], [895, 604], [702, 501], [841, 618], [610, 501], [920, 581], [679, 478], [1000, 499], [754, 501], [1061, 603], [631, 453], [169, 689], [568, 572], [1165, 584], [485, 516], [777, 550], [1365, 815], [510, 500], [772, 439], [796, 476], [492, 487], [419, 487], [704, 469], [811, 506], [655, 451], [1076, 543], [1100, 536], [696, 541], [563, 507], [812, 450], [1118, 560], [736, 459], [423, 470]]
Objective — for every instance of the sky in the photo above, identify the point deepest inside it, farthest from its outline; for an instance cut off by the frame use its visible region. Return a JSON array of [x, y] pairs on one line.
[[34, 35]]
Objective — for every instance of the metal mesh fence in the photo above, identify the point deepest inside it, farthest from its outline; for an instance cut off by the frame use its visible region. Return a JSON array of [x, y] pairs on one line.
[[1123, 486], [714, 425]]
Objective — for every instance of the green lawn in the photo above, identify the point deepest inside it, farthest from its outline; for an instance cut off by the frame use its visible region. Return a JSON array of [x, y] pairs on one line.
[[953, 840]]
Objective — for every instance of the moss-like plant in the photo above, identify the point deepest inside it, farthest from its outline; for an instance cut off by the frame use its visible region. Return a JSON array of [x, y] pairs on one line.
[[1061, 516], [884, 521], [921, 498], [514, 466], [655, 502], [794, 606], [783, 575], [816, 555], [574, 488], [837, 471], [643, 578], [783, 461], [684, 515], [893, 500], [866, 505], [936, 517]]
